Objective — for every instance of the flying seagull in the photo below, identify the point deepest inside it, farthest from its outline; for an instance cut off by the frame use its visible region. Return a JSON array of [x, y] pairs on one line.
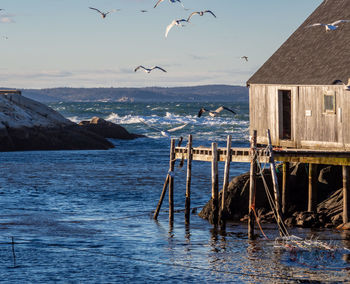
[[174, 23], [214, 113], [165, 133], [340, 82], [148, 70], [104, 14], [201, 13], [329, 27], [170, 1], [245, 58]]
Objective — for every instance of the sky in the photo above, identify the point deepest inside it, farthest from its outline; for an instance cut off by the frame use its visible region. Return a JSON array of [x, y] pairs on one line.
[[63, 43]]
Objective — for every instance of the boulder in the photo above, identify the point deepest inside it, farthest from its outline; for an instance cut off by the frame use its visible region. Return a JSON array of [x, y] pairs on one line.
[[29, 125], [107, 129], [329, 209]]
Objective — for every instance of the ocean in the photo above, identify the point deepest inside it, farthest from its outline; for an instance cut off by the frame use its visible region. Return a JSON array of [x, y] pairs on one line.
[[86, 216]]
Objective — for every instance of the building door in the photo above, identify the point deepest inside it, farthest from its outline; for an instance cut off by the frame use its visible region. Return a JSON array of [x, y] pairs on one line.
[[285, 114]]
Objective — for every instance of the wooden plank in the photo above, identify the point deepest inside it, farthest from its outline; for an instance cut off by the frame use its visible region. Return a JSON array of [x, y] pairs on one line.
[[252, 185], [171, 180], [215, 183], [156, 213], [346, 194], [312, 189], [285, 187], [275, 186], [227, 171], [188, 180]]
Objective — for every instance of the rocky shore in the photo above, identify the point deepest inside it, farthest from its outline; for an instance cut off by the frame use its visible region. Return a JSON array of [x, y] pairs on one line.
[[29, 125], [329, 199]]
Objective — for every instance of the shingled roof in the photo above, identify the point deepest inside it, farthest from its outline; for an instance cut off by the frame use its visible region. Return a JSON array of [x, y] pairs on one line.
[[312, 56]]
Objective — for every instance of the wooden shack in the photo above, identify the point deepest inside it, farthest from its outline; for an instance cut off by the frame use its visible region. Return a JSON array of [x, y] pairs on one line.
[[297, 94]]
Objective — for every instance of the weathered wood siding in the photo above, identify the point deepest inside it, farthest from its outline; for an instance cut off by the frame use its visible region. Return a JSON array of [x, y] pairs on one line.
[[312, 127]]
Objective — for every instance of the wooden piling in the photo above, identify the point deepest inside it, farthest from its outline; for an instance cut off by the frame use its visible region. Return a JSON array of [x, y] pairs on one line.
[[252, 184], [188, 180], [227, 171], [285, 188], [171, 180], [346, 194], [156, 213], [215, 182], [312, 188], [275, 186]]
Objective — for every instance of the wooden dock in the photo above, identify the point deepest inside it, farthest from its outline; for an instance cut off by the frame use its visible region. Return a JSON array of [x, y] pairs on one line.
[[242, 155], [253, 155]]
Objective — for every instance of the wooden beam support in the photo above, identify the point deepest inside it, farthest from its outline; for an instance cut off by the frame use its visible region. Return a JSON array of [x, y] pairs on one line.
[[226, 172], [312, 190], [171, 180], [252, 185], [346, 194], [285, 187], [188, 180], [156, 213], [275, 187], [215, 183]]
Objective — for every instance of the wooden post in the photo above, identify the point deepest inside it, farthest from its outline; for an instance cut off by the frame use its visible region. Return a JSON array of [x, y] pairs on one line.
[[188, 180], [156, 213], [275, 185], [285, 182], [252, 185], [171, 180], [215, 182], [312, 198], [227, 171], [346, 194]]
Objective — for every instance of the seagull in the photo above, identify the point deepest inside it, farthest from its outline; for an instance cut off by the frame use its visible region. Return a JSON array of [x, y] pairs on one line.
[[148, 70], [201, 13], [170, 1], [102, 13], [340, 82], [245, 58], [174, 23], [214, 113], [165, 133], [143, 11], [329, 27]]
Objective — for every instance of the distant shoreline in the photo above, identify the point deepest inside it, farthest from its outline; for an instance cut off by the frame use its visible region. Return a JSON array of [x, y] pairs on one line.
[[204, 93]]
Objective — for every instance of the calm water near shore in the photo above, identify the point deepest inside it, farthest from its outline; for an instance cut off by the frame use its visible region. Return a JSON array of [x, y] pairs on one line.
[[85, 216]]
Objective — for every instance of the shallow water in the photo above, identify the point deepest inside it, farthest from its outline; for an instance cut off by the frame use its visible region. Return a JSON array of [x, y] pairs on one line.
[[85, 216]]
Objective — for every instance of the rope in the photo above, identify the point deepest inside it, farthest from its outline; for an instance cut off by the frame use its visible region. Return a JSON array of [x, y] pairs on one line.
[[280, 224], [258, 222]]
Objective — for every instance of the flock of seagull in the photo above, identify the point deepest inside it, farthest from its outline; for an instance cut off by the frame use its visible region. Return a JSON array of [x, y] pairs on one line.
[[181, 23], [212, 113]]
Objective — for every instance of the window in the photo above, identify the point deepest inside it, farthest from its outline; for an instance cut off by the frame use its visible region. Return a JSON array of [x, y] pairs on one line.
[[329, 102]]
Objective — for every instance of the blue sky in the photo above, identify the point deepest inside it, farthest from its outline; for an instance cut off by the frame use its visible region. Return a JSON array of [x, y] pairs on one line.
[[56, 43]]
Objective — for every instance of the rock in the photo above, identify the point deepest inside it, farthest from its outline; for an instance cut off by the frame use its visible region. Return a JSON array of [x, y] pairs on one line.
[[29, 125], [345, 226], [107, 129], [332, 207], [329, 209]]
